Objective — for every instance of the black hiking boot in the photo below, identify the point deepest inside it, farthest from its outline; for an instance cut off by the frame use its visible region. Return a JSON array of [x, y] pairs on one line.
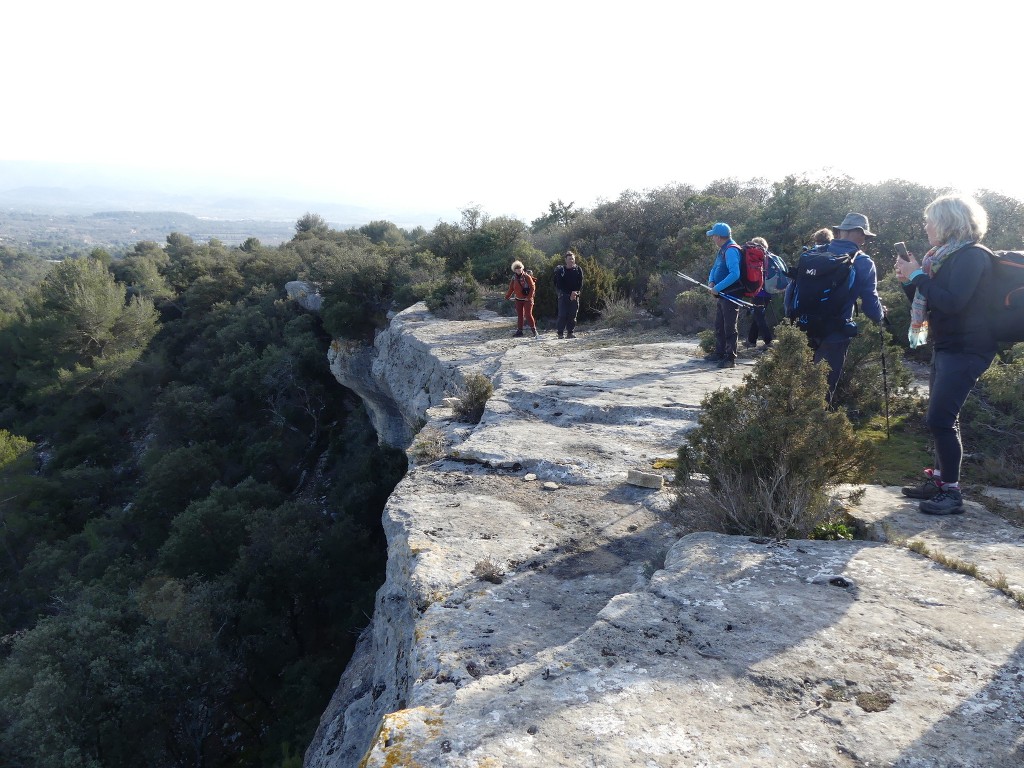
[[714, 357], [534, 329], [727, 362], [517, 334], [570, 335], [929, 489], [948, 501]]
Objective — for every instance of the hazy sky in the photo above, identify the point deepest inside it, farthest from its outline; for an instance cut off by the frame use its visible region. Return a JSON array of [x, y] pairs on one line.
[[437, 106]]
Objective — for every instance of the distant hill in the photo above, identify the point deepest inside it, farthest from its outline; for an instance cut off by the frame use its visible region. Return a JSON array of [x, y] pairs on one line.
[[117, 231], [43, 204]]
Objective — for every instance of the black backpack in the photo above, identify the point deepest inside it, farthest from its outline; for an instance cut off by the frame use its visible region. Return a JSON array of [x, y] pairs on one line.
[[822, 286], [1005, 292]]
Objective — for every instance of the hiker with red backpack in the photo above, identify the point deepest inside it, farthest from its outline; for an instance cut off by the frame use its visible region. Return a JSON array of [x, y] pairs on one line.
[[950, 308], [827, 284], [732, 275], [759, 325]]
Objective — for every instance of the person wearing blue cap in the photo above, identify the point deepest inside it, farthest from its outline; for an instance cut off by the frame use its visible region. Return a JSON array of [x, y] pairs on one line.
[[724, 278]]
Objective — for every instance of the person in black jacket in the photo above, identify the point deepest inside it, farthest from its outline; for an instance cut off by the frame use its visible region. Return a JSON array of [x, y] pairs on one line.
[[949, 310], [568, 284]]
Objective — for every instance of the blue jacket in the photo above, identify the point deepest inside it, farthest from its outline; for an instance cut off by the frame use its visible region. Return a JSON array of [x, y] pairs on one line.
[[725, 272], [865, 287]]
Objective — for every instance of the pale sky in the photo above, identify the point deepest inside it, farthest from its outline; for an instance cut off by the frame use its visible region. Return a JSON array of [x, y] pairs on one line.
[[438, 106]]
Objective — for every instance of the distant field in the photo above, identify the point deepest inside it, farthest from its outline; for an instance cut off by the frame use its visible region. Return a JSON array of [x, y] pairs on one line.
[[118, 231]]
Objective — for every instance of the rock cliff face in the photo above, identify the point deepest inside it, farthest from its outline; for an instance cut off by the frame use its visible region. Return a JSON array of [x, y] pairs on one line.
[[539, 611]]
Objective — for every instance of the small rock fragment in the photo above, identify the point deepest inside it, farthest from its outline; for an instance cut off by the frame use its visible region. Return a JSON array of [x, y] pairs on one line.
[[644, 479]]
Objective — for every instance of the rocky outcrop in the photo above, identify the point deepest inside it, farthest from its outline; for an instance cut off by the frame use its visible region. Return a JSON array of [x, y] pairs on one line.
[[539, 610], [408, 370], [305, 294]]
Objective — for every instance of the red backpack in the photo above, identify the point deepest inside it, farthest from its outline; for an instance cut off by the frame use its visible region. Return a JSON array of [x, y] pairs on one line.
[[752, 264]]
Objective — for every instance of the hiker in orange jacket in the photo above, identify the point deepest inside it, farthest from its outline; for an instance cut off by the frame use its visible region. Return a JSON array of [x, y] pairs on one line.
[[522, 291]]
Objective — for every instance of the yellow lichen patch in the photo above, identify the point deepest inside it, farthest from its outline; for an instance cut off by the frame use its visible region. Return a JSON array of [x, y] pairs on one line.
[[400, 736]]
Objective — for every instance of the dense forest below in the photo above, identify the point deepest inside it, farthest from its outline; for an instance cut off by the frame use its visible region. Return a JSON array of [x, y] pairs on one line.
[[190, 504]]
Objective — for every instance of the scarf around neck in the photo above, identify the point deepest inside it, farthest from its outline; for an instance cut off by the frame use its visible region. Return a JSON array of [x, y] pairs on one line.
[[933, 261]]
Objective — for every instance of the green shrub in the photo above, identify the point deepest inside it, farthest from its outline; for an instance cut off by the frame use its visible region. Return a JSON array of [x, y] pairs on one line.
[[862, 387], [619, 312], [454, 297], [12, 447], [764, 455], [473, 397], [993, 422], [694, 311]]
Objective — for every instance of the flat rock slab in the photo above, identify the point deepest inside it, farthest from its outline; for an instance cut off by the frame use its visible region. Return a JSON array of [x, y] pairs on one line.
[[577, 620], [739, 654], [978, 541], [586, 413]]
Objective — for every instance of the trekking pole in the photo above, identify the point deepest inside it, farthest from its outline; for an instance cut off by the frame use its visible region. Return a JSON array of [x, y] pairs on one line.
[[734, 299], [885, 375]]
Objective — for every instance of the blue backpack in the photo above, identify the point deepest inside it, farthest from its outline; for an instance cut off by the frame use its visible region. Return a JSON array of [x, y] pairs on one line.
[[776, 274]]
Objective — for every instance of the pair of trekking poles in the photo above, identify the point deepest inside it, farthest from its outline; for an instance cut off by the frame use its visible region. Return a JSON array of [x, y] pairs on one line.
[[734, 299], [881, 340]]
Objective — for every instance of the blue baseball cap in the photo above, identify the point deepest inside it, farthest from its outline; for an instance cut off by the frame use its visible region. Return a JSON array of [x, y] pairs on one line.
[[721, 229]]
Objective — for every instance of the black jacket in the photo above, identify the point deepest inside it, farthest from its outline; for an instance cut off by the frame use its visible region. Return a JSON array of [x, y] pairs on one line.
[[568, 280], [957, 304]]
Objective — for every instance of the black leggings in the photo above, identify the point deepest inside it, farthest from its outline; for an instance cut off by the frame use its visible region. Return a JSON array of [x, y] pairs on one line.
[[953, 375]]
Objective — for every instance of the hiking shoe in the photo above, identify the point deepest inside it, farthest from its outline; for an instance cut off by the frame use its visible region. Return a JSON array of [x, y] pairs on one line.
[[535, 334], [517, 334], [714, 357], [749, 344], [561, 336], [945, 502], [727, 363], [570, 335], [929, 489]]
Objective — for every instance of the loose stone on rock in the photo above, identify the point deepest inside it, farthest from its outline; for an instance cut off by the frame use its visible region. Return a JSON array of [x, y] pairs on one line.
[[644, 479]]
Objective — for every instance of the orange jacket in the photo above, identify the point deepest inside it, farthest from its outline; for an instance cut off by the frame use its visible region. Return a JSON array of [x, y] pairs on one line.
[[523, 287]]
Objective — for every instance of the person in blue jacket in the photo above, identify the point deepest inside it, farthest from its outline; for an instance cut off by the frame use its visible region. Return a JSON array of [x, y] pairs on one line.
[[724, 278], [832, 345]]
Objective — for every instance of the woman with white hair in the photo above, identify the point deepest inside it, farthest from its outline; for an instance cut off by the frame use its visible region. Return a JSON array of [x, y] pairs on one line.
[[522, 291], [949, 309]]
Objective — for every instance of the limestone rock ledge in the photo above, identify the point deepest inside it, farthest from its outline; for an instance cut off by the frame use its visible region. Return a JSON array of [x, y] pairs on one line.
[[539, 611]]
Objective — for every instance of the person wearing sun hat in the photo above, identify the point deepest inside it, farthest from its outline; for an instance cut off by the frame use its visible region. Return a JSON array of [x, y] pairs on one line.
[[852, 233]]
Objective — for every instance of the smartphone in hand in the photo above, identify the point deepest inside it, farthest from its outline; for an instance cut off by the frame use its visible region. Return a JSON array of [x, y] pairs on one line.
[[901, 250]]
